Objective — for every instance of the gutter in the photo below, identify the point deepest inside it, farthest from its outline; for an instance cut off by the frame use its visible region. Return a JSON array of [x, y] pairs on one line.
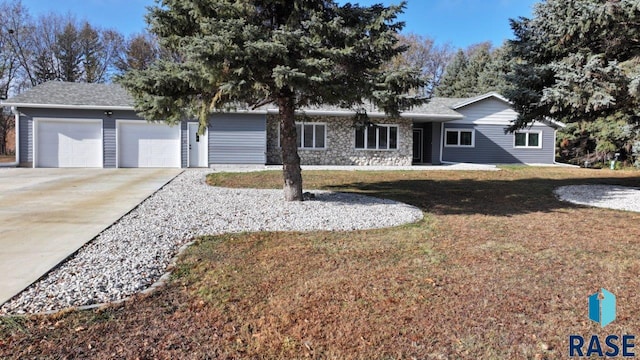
[[15, 112], [245, 111], [64, 106], [376, 114]]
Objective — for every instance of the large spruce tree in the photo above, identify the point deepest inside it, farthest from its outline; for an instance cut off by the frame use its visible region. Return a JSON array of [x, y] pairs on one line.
[[577, 60], [476, 71], [450, 86], [292, 53]]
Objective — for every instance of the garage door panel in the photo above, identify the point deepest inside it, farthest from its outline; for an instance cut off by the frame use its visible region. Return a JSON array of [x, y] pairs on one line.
[[148, 145], [68, 143]]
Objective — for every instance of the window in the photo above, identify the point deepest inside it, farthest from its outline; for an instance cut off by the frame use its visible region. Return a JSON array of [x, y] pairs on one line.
[[459, 138], [378, 137], [528, 139], [310, 135]]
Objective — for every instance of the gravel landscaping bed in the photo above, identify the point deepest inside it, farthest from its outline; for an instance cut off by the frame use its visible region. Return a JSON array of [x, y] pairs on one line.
[[134, 252], [604, 196]]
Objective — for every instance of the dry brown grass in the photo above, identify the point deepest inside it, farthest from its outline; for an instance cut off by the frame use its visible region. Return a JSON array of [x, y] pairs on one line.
[[499, 269]]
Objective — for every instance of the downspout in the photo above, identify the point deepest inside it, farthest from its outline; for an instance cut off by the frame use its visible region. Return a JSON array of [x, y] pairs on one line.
[[17, 142]]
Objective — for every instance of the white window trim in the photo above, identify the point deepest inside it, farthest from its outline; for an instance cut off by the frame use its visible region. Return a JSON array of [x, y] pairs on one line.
[[527, 146], [302, 134], [458, 130], [378, 138]]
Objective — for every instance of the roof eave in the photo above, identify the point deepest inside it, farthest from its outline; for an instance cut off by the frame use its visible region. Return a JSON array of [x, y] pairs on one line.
[[372, 114], [67, 106], [480, 98], [321, 112], [442, 117], [411, 115], [553, 122]]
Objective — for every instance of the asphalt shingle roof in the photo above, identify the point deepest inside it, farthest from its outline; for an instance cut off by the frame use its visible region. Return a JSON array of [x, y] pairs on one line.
[[438, 106], [76, 94], [57, 93]]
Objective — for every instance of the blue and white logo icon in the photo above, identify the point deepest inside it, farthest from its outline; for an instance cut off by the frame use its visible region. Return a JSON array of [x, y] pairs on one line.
[[602, 307]]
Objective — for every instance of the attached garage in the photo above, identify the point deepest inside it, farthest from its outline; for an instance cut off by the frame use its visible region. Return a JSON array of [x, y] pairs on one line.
[[67, 143], [237, 139], [145, 144]]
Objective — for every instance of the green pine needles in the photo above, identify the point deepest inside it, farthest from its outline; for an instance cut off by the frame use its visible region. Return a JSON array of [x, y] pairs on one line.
[[292, 53], [577, 61]]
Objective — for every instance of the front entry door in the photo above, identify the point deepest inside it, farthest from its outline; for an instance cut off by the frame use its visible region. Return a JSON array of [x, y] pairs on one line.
[[198, 149], [418, 145]]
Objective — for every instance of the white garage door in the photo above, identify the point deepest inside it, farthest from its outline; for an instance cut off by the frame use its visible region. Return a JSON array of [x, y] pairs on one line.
[[143, 144], [60, 143]]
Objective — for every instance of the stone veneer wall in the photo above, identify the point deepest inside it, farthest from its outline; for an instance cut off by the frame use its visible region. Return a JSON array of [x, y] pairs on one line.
[[340, 146]]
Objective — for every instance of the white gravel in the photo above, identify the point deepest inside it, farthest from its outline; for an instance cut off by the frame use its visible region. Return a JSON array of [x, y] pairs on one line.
[[603, 196], [134, 252]]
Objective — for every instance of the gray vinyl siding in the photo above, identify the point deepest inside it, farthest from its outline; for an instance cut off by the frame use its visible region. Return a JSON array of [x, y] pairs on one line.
[[490, 109], [108, 131], [435, 142], [26, 134], [237, 139], [489, 118], [493, 146], [109, 142]]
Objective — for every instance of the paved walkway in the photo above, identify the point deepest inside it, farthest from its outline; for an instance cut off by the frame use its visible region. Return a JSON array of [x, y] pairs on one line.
[[48, 214], [449, 167]]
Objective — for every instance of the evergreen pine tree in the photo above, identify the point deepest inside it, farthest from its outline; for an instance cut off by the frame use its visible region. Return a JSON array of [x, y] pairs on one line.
[[450, 84], [90, 47], [292, 53], [577, 61], [476, 71], [68, 54], [479, 60], [494, 75]]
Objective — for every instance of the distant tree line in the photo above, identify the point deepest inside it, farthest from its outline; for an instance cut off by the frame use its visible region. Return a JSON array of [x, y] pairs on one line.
[[63, 48], [457, 73], [477, 70], [58, 47]]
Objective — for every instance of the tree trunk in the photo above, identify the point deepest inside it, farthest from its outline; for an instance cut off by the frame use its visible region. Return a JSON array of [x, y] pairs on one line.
[[289, 145]]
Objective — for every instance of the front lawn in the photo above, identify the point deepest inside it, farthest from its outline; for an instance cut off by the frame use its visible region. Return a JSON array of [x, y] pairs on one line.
[[498, 269]]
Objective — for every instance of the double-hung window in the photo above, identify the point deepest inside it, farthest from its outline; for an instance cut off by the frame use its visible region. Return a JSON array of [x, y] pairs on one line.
[[378, 137], [459, 138], [310, 135], [527, 139]]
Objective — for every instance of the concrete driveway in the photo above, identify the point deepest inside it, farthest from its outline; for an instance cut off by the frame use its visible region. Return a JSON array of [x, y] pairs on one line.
[[48, 214]]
